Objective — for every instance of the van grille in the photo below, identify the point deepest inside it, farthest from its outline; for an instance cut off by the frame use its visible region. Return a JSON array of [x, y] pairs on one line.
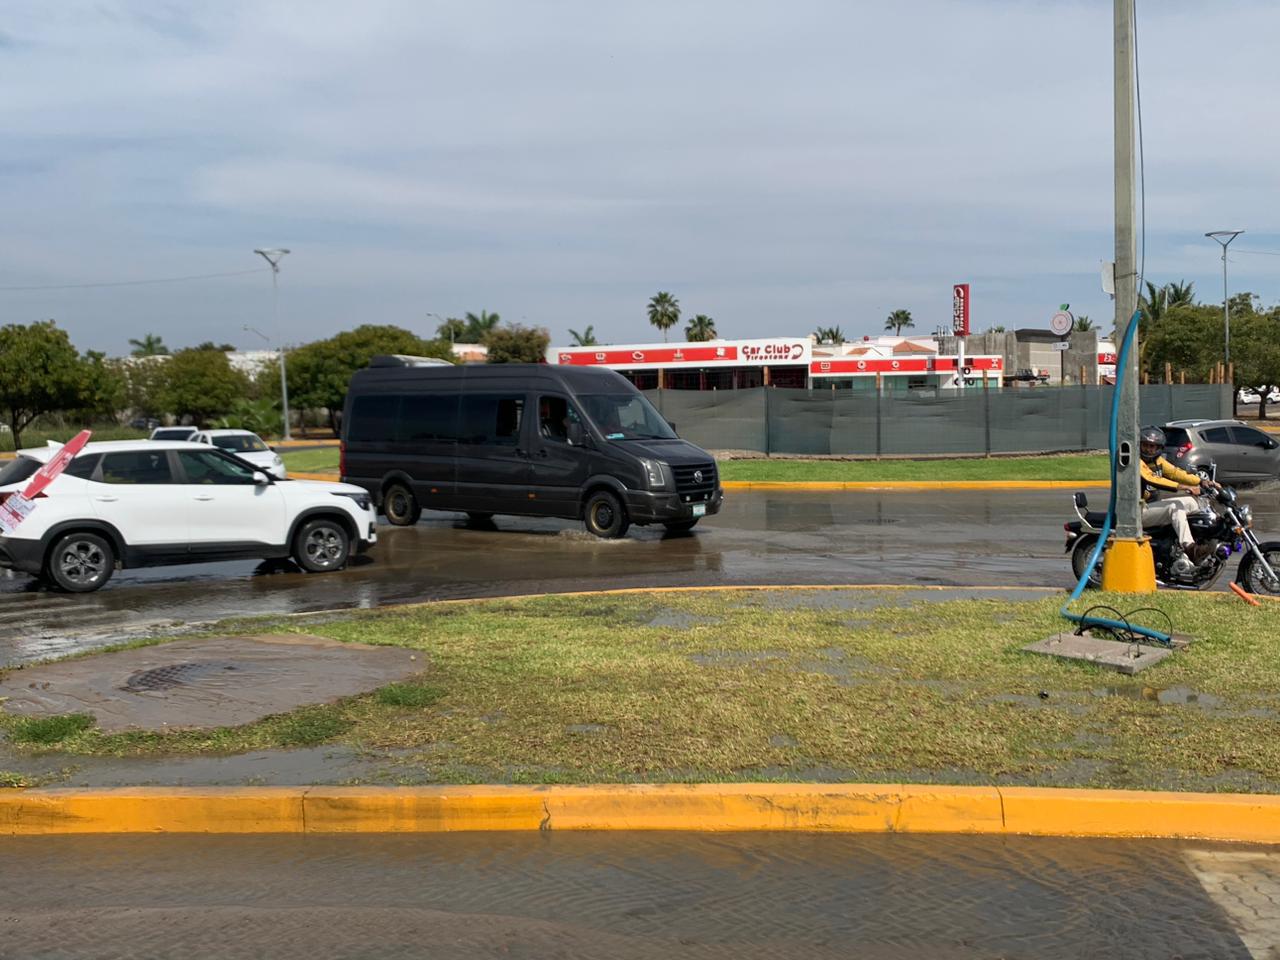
[[694, 490]]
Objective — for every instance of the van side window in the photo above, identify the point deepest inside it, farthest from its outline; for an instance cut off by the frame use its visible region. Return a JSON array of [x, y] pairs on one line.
[[373, 419], [490, 418], [554, 417], [429, 416]]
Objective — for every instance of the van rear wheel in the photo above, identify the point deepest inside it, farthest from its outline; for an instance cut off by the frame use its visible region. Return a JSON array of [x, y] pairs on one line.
[[400, 505], [605, 516]]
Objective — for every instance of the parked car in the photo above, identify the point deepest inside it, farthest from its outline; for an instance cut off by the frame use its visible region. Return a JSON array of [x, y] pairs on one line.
[[1027, 375], [525, 439], [136, 503], [174, 433], [144, 423], [247, 446], [1243, 454]]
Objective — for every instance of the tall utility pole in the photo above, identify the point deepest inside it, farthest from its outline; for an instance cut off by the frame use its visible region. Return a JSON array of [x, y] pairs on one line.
[[1225, 237], [1128, 566], [274, 257]]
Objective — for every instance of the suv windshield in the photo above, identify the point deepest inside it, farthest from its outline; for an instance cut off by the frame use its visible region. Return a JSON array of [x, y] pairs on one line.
[[244, 443], [626, 416]]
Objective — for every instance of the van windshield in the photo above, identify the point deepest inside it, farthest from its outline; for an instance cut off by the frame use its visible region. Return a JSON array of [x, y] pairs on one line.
[[626, 416]]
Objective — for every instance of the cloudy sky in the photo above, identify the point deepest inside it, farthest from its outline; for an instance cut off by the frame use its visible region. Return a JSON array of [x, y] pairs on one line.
[[776, 165]]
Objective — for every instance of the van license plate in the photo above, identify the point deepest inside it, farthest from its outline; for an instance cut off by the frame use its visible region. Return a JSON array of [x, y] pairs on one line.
[[699, 509]]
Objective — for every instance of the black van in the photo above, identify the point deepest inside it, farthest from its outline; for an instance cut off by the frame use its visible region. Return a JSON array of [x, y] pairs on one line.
[[527, 439]]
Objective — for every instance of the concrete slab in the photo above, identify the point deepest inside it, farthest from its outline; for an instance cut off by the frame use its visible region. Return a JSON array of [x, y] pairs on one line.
[[207, 682], [1126, 658]]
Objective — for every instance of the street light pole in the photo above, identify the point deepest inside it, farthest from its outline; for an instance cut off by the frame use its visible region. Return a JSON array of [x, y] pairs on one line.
[[1226, 304], [273, 257]]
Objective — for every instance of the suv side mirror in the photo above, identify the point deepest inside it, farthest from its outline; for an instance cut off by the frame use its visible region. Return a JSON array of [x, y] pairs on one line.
[[260, 478], [577, 436]]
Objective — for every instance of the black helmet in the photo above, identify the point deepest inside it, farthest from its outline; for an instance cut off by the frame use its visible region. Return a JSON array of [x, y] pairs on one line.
[[1151, 443]]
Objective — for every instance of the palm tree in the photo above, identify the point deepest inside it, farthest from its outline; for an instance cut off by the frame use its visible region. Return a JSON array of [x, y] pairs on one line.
[[453, 330], [1084, 324], [998, 328], [1153, 304], [1178, 294], [829, 335], [479, 327], [700, 329], [898, 320], [587, 338], [149, 346], [664, 312]]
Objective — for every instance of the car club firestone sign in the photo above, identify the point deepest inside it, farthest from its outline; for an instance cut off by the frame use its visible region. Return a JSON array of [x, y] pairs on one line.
[[729, 352]]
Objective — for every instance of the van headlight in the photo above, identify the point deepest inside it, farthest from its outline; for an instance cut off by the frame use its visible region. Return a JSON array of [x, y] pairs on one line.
[[654, 473]]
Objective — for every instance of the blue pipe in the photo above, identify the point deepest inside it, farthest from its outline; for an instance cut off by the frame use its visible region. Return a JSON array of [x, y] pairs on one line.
[[1113, 445]]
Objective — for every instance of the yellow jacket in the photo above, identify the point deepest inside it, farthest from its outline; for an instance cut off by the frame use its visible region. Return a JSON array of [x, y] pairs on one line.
[[1165, 476]]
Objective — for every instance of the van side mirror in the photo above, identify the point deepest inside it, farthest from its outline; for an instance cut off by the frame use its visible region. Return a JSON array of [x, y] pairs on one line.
[[672, 425], [577, 436]]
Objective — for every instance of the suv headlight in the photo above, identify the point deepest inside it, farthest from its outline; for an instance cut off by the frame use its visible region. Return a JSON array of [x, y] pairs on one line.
[[654, 473], [362, 499]]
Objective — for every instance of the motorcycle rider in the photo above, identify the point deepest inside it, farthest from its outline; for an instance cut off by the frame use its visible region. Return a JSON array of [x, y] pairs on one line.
[[1162, 483]]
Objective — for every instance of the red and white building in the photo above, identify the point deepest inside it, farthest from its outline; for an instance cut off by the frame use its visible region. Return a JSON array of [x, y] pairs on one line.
[[900, 363]]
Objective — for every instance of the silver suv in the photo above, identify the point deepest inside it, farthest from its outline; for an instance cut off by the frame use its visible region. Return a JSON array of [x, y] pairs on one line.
[[1243, 454]]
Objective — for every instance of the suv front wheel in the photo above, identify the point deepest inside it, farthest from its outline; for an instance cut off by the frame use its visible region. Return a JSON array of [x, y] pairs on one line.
[[81, 562], [321, 545]]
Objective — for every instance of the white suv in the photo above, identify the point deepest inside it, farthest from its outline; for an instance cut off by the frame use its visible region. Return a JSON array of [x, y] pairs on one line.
[[138, 503]]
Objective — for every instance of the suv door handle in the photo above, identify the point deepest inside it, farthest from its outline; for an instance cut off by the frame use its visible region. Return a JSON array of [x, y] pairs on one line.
[[106, 499], [203, 496]]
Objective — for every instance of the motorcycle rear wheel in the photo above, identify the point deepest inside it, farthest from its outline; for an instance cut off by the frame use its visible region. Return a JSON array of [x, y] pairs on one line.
[[1080, 554]]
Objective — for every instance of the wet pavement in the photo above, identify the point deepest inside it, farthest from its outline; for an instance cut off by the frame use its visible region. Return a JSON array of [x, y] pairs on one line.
[[761, 537], [622, 896]]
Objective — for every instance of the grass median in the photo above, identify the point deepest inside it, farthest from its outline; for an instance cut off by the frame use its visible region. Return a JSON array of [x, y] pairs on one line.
[[744, 685], [1082, 467]]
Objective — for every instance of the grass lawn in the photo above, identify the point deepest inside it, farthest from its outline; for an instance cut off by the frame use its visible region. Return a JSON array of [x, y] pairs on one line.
[[311, 461], [1065, 467], [37, 436], [743, 685]]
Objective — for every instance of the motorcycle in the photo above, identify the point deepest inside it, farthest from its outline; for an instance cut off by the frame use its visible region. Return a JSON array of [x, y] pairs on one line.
[[1222, 517]]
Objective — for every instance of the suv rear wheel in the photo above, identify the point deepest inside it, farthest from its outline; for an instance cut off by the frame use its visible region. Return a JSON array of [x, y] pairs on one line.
[[401, 506], [321, 545], [81, 562]]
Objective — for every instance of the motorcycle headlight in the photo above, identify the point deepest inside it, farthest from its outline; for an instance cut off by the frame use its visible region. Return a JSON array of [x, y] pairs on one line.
[[1246, 515], [654, 474]]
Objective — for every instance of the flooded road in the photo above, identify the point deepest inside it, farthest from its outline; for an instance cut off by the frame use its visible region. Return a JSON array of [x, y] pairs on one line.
[[637, 895], [761, 537]]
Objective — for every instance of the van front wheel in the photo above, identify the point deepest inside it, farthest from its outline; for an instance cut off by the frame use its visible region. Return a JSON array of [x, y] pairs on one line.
[[401, 506], [605, 516]]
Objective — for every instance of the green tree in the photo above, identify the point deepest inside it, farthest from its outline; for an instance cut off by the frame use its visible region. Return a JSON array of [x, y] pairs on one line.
[[150, 345], [517, 344], [479, 327], [1255, 343], [40, 372], [103, 394], [587, 338], [453, 330], [832, 335], [1181, 293], [144, 381], [210, 345], [898, 321], [1084, 324], [319, 372], [664, 312], [202, 385], [1188, 337], [700, 329]]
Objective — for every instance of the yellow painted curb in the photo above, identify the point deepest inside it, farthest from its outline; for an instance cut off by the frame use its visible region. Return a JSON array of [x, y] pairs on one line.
[[328, 477], [290, 444], [914, 484], [834, 808]]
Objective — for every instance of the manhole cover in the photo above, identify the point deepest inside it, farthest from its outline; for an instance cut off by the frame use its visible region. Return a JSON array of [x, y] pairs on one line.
[[180, 674]]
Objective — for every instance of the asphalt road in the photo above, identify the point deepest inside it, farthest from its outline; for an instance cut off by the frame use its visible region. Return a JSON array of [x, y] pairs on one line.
[[618, 895], [761, 537]]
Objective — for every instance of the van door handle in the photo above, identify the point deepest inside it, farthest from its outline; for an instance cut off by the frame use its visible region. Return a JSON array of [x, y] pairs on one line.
[[522, 453], [543, 453]]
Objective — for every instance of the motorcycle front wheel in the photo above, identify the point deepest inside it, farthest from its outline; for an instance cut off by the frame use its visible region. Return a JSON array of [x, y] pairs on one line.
[[1080, 555], [1253, 576]]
